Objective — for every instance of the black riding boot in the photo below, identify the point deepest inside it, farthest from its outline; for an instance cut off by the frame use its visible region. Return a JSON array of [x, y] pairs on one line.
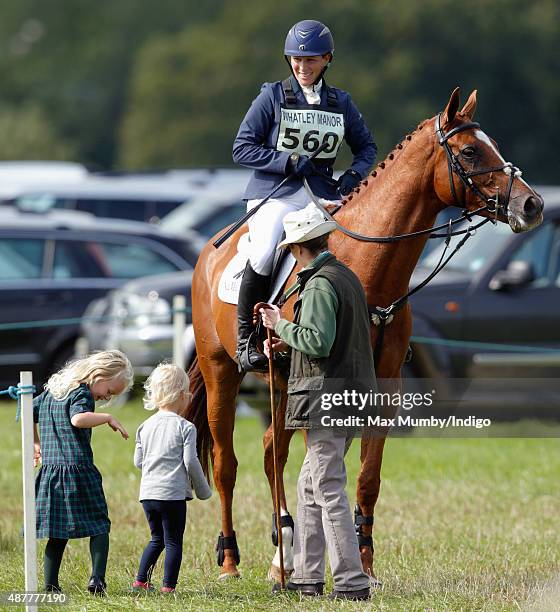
[[254, 288]]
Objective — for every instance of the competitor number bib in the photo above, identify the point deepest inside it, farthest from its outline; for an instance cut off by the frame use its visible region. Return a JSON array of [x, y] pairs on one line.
[[303, 131]]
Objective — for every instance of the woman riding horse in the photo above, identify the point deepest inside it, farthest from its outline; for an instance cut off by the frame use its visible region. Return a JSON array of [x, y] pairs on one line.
[[286, 123]]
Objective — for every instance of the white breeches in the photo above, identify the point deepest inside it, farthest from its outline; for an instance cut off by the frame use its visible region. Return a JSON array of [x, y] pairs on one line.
[[266, 228]]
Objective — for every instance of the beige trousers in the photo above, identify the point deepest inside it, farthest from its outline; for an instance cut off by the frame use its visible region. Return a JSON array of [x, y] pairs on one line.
[[323, 518]]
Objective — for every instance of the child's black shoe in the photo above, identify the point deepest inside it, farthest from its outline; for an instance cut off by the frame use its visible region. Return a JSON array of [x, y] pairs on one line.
[[97, 586]]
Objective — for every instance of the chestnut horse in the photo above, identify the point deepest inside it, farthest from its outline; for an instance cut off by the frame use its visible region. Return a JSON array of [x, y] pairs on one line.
[[404, 194]]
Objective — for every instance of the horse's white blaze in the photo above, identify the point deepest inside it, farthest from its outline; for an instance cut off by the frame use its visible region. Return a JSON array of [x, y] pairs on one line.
[[482, 136]]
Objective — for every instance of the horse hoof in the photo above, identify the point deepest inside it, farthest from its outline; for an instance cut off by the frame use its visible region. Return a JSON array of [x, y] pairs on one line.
[[229, 574], [274, 573]]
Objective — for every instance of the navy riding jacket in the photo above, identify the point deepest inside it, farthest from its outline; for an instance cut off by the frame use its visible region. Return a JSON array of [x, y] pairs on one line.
[[256, 144]]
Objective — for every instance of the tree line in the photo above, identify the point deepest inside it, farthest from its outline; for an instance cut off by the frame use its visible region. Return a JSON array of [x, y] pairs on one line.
[[141, 84]]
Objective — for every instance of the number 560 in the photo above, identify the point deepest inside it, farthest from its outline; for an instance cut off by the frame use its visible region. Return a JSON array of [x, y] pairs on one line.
[[311, 142]]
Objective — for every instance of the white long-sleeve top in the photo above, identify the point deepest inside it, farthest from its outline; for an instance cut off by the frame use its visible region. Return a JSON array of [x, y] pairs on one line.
[[166, 452]]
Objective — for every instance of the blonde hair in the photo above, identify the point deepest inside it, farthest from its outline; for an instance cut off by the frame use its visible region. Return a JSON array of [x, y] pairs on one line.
[[164, 386], [102, 365]]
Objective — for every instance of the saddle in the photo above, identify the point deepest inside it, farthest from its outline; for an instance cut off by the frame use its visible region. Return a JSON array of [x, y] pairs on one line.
[[230, 281]]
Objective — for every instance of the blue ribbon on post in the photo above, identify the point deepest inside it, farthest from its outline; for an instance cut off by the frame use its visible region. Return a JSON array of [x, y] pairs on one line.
[[16, 392]]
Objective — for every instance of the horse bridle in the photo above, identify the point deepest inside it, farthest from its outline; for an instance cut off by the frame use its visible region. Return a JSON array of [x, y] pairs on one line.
[[492, 205], [454, 166]]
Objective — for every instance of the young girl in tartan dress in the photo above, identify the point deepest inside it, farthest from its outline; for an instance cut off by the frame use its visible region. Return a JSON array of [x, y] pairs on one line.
[[70, 501]]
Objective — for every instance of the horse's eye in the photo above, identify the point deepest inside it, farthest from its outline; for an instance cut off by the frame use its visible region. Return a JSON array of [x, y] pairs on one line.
[[469, 151]]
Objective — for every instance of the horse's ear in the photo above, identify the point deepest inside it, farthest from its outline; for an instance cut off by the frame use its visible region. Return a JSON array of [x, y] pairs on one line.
[[470, 106], [451, 108]]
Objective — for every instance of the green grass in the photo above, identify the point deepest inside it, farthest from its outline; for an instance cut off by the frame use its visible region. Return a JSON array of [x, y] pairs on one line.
[[460, 525]]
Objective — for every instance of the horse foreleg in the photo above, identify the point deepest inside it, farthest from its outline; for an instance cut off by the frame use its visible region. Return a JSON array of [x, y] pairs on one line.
[[368, 485], [222, 385], [282, 446]]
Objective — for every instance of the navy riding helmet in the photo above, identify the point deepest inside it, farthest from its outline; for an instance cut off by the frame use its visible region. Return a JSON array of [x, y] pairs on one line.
[[308, 38]]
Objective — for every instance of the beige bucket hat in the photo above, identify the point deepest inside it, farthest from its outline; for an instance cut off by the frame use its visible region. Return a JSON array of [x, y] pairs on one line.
[[305, 224]]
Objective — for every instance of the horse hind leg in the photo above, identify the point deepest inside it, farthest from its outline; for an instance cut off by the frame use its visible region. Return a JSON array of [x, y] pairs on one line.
[[222, 384], [287, 523]]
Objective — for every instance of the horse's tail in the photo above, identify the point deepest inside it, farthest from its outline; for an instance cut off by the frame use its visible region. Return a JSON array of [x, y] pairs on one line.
[[197, 413]]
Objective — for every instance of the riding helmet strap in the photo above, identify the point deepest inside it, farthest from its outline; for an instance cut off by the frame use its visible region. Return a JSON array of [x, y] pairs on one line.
[[359, 521], [286, 520], [226, 543]]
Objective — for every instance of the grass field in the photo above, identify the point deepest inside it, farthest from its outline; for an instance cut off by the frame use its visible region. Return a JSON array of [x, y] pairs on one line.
[[460, 525]]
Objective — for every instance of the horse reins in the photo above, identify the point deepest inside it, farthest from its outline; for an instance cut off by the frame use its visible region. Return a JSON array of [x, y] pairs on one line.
[[381, 316]]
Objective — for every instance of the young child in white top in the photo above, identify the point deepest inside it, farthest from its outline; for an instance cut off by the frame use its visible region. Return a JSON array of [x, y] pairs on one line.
[[166, 452]]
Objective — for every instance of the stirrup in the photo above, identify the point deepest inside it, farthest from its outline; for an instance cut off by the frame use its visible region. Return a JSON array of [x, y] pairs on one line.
[[249, 359]]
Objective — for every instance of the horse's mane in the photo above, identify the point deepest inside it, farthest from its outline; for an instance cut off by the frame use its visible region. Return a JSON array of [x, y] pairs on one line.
[[394, 154]]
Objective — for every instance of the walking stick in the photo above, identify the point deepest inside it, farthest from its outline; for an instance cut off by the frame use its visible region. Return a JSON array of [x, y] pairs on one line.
[[256, 311]]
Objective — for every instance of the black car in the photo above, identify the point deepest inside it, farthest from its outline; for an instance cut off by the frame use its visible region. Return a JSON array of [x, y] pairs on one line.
[[136, 198], [52, 266], [494, 311]]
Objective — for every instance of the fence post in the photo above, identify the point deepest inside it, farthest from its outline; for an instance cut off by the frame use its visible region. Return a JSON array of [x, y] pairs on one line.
[[179, 325], [27, 454]]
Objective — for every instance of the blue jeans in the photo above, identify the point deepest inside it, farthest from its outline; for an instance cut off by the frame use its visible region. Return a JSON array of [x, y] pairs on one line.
[[167, 524]]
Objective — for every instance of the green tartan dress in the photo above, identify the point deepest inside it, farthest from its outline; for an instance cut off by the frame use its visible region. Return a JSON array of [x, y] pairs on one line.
[[70, 502]]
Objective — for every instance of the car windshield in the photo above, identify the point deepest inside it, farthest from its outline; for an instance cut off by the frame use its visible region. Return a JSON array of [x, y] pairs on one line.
[[192, 214], [475, 253]]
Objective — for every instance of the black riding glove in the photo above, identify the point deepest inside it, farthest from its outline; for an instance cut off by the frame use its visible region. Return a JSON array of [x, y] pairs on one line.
[[300, 165], [348, 181]]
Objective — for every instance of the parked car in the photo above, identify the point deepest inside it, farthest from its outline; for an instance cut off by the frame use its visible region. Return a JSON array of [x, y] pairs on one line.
[[137, 318], [494, 311], [52, 266], [145, 199], [205, 215], [16, 175]]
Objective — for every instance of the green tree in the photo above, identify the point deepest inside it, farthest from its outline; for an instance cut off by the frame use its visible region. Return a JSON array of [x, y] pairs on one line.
[[399, 59], [72, 59], [28, 134]]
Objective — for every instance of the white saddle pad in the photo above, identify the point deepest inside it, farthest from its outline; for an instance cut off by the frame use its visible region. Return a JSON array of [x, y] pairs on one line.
[[230, 281]]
